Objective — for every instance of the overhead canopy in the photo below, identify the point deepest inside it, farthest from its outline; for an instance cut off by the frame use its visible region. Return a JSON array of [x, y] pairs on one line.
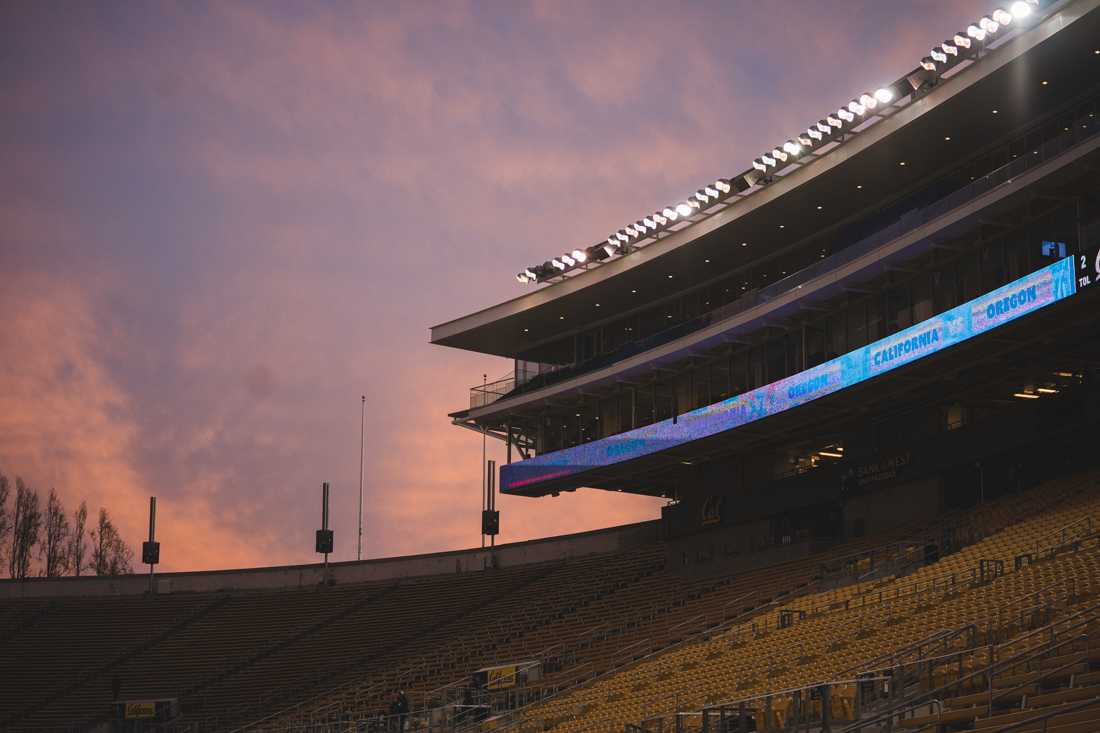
[[972, 111]]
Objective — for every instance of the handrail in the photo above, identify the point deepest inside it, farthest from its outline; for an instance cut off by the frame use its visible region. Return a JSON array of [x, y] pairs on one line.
[[1047, 715]]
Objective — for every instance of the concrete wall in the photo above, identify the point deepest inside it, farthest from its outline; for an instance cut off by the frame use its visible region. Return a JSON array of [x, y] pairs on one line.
[[292, 576]]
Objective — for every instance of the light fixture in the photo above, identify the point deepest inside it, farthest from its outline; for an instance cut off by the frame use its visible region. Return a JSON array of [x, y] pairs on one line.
[[744, 244], [845, 115], [597, 305], [712, 192], [792, 147], [823, 127], [938, 55], [928, 64], [1025, 395], [1047, 390], [768, 160], [701, 196], [579, 255], [830, 454], [962, 41], [949, 49], [989, 25], [1020, 10], [976, 32], [568, 260], [819, 207], [683, 210], [994, 111], [530, 274], [522, 277], [621, 237], [1002, 16], [859, 186], [814, 133], [901, 162], [670, 276], [661, 220], [670, 213], [779, 155], [558, 264], [610, 250], [834, 121], [649, 223], [722, 185], [526, 330], [947, 138], [1045, 82]]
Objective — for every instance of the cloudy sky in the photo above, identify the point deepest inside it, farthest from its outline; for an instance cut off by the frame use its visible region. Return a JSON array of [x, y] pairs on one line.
[[221, 223]]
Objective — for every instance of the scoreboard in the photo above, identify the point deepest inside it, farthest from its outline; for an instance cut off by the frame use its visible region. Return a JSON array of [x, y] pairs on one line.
[[1088, 266]]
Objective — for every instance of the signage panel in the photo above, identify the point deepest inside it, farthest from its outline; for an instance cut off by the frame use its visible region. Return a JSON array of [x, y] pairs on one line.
[[986, 312]]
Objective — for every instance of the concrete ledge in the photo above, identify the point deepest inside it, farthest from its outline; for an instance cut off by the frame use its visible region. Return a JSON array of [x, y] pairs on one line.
[[298, 576]]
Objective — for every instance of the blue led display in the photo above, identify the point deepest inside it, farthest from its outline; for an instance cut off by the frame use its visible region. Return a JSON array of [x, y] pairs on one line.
[[986, 312]]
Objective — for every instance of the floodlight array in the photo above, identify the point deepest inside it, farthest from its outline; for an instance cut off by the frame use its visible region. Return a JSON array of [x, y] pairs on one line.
[[834, 127]]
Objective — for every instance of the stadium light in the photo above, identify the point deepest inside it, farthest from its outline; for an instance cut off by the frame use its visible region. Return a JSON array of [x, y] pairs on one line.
[[1020, 10], [940, 59], [522, 277], [1025, 395]]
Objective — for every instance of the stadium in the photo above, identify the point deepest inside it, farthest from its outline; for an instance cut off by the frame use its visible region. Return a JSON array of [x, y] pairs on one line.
[[864, 374]]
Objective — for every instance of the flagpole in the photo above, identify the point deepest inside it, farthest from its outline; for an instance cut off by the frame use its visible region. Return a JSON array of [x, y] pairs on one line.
[[362, 442]]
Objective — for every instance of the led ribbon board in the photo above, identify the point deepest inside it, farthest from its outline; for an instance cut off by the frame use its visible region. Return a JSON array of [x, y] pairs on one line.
[[984, 313]]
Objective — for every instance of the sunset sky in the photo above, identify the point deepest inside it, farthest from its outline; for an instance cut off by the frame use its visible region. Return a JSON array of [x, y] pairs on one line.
[[220, 224]]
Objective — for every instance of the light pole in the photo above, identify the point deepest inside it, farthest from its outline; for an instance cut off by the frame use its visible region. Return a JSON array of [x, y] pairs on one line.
[[362, 442]]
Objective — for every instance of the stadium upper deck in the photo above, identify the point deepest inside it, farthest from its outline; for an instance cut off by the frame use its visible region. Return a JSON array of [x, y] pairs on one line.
[[985, 155]]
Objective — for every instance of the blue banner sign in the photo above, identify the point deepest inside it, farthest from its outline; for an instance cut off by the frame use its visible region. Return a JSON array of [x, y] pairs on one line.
[[1026, 295]]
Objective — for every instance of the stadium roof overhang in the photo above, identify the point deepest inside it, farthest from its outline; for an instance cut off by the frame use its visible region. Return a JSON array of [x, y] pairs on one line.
[[1067, 169], [1060, 50], [986, 370]]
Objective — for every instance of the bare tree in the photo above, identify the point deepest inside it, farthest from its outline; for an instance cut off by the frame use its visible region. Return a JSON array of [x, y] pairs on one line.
[[77, 547], [53, 550], [5, 518], [110, 554], [25, 526]]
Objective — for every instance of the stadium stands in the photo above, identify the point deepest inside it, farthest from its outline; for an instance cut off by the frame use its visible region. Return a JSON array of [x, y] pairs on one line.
[[621, 637]]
